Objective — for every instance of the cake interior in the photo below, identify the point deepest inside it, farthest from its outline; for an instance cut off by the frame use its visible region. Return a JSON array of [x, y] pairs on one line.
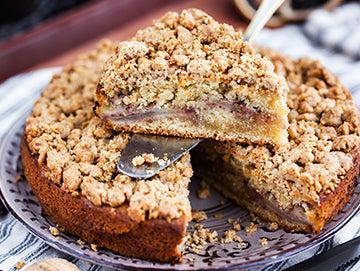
[[205, 113]]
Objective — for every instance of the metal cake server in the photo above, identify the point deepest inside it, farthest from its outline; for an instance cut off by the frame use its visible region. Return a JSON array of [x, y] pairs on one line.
[[174, 147]]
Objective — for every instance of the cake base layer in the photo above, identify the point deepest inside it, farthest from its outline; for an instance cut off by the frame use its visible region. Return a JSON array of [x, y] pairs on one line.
[[104, 226]]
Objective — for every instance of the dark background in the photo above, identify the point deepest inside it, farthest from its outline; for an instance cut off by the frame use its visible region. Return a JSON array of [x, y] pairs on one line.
[[16, 16]]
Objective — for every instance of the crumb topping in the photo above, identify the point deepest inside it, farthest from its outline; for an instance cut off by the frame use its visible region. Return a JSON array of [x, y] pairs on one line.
[[81, 153], [323, 130], [180, 50]]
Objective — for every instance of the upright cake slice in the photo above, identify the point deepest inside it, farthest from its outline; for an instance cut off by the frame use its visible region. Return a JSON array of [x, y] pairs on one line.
[[187, 75], [303, 184]]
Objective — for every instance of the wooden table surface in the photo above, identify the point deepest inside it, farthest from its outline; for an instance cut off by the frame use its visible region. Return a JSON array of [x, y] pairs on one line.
[[57, 42]]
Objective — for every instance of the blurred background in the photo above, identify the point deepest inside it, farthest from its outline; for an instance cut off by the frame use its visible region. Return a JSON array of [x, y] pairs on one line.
[[35, 31]]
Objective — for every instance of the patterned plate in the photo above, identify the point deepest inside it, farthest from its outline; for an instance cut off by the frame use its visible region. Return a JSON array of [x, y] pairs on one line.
[[281, 245]]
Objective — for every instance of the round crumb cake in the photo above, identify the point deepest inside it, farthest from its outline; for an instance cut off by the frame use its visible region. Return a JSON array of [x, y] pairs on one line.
[[70, 158]]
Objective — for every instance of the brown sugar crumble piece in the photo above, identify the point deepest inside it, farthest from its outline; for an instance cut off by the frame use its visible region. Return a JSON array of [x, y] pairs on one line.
[[204, 191], [150, 158], [20, 264], [251, 228], [218, 215], [138, 160], [264, 242], [54, 231], [93, 247], [273, 226], [80, 242], [18, 178], [198, 215], [230, 236], [235, 223], [200, 237]]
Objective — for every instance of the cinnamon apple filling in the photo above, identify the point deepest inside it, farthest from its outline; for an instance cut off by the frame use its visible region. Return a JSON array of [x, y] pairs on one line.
[[196, 114]]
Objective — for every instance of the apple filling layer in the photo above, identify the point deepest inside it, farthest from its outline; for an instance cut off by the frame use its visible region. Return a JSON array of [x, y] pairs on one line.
[[235, 119]]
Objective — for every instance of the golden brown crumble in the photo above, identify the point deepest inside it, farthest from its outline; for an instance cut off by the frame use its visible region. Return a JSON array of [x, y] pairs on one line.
[[264, 242], [81, 153], [20, 264], [138, 160], [273, 226], [200, 237], [204, 191], [175, 51], [54, 231], [18, 178], [198, 215], [93, 247], [251, 228], [218, 215], [231, 236], [234, 223]]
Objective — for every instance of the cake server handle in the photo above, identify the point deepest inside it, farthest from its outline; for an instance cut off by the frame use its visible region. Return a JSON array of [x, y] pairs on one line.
[[262, 15], [175, 147]]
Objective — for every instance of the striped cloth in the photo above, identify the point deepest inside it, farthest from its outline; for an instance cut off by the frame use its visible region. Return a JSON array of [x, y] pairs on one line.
[[17, 244]]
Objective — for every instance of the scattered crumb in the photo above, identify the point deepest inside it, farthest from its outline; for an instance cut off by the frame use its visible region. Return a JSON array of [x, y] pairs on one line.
[[251, 228], [273, 226], [203, 193], [200, 237], [218, 215], [256, 218], [93, 247], [234, 223], [80, 242], [149, 171], [90, 264], [230, 236], [198, 215], [20, 264], [161, 162], [264, 242], [54, 231], [18, 178], [150, 158], [222, 202], [191, 260], [138, 160], [57, 238]]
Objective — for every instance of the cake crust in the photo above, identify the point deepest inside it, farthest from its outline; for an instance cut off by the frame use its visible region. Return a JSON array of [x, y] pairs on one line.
[[105, 226]]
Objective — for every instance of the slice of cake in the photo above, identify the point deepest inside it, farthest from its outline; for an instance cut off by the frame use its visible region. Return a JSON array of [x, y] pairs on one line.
[[190, 76], [70, 158], [303, 184]]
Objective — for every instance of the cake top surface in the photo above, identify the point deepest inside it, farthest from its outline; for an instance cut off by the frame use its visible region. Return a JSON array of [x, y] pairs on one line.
[[179, 50], [324, 128], [81, 154]]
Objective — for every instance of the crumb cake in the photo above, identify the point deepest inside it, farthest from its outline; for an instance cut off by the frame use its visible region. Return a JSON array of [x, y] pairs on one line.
[[303, 184], [190, 76], [70, 157]]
